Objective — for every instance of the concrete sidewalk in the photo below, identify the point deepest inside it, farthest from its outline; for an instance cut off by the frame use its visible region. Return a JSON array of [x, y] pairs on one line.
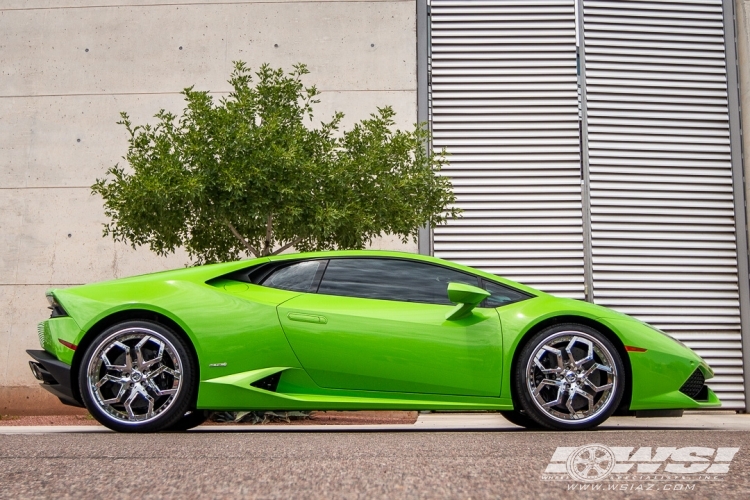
[[433, 422], [694, 421]]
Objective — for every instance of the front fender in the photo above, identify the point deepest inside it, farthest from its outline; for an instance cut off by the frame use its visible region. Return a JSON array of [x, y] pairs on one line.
[[660, 370]]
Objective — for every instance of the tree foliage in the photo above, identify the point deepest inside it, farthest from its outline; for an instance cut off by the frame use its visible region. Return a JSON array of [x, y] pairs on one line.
[[247, 175]]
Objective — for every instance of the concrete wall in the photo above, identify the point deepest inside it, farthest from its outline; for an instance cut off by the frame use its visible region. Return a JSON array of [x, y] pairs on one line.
[[69, 67]]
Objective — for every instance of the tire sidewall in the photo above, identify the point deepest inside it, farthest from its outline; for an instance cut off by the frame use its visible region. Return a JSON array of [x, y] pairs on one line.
[[189, 421], [516, 417], [525, 399], [172, 414]]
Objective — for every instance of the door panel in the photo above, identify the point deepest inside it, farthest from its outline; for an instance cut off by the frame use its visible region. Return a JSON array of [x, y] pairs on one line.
[[383, 345]]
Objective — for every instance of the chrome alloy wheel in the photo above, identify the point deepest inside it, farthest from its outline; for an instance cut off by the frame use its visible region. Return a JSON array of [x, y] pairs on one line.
[[135, 375], [571, 376]]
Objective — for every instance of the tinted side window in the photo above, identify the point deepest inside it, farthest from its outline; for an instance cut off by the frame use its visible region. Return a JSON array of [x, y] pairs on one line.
[[391, 279], [501, 295], [297, 277]]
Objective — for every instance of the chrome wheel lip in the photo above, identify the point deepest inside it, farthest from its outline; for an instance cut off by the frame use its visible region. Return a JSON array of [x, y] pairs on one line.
[[136, 375], [574, 377]]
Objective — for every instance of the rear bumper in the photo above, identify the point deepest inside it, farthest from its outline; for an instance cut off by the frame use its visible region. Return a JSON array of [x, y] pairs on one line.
[[54, 375]]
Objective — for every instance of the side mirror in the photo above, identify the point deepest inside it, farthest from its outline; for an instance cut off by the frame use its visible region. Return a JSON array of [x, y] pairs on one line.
[[466, 298]]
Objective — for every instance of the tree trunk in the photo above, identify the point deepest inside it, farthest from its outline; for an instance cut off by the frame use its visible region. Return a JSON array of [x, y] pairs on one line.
[[269, 235], [237, 235]]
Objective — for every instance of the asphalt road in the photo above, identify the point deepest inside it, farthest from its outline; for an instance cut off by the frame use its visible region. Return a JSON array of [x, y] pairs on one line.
[[504, 463]]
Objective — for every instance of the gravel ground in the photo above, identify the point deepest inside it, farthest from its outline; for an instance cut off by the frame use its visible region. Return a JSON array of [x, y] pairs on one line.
[[15, 421], [336, 464]]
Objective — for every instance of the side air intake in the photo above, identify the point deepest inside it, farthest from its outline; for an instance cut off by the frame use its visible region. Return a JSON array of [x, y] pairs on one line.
[[268, 383]]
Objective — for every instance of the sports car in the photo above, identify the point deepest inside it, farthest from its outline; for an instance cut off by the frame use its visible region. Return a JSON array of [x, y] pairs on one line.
[[353, 330]]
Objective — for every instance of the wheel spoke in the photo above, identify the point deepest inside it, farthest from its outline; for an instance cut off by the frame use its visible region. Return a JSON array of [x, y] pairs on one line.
[[159, 392], [145, 395], [558, 399], [598, 388], [547, 382], [558, 356], [596, 366], [569, 402], [589, 355], [110, 378], [128, 404], [144, 365], [550, 383], [120, 392], [586, 396], [126, 368], [163, 369]]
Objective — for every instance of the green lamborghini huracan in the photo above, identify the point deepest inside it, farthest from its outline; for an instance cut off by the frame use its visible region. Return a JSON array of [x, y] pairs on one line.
[[353, 330]]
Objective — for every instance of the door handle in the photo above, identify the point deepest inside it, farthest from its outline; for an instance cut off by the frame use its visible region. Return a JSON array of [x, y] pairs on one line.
[[307, 318]]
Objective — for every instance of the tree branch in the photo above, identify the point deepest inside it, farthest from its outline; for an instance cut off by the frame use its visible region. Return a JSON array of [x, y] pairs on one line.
[[237, 234], [269, 226], [290, 244]]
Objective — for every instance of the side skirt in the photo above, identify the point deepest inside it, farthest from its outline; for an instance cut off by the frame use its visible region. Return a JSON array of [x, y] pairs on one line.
[[242, 392]]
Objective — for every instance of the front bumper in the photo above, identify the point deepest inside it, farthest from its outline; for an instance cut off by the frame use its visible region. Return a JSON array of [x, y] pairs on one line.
[[54, 376], [664, 373]]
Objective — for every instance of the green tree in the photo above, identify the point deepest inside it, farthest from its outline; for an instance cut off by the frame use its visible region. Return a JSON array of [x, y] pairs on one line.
[[246, 175]]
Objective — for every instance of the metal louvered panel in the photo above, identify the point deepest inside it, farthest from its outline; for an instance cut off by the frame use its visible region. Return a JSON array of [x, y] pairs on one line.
[[505, 106], [662, 207]]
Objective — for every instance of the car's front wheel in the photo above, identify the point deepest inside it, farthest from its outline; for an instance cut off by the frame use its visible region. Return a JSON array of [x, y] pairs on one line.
[[137, 376], [569, 377]]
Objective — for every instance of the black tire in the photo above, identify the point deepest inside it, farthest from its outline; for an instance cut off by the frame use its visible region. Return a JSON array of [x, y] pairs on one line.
[[520, 419], [191, 419], [598, 383], [151, 391]]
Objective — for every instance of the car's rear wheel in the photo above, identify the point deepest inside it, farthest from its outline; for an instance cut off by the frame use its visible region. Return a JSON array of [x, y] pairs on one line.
[[137, 376], [569, 377]]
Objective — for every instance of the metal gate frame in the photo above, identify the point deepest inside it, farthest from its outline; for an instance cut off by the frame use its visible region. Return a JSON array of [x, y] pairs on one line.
[[738, 175], [423, 95], [738, 181]]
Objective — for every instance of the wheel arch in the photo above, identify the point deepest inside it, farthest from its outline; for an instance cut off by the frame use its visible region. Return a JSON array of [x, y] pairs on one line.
[[119, 317], [624, 406]]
